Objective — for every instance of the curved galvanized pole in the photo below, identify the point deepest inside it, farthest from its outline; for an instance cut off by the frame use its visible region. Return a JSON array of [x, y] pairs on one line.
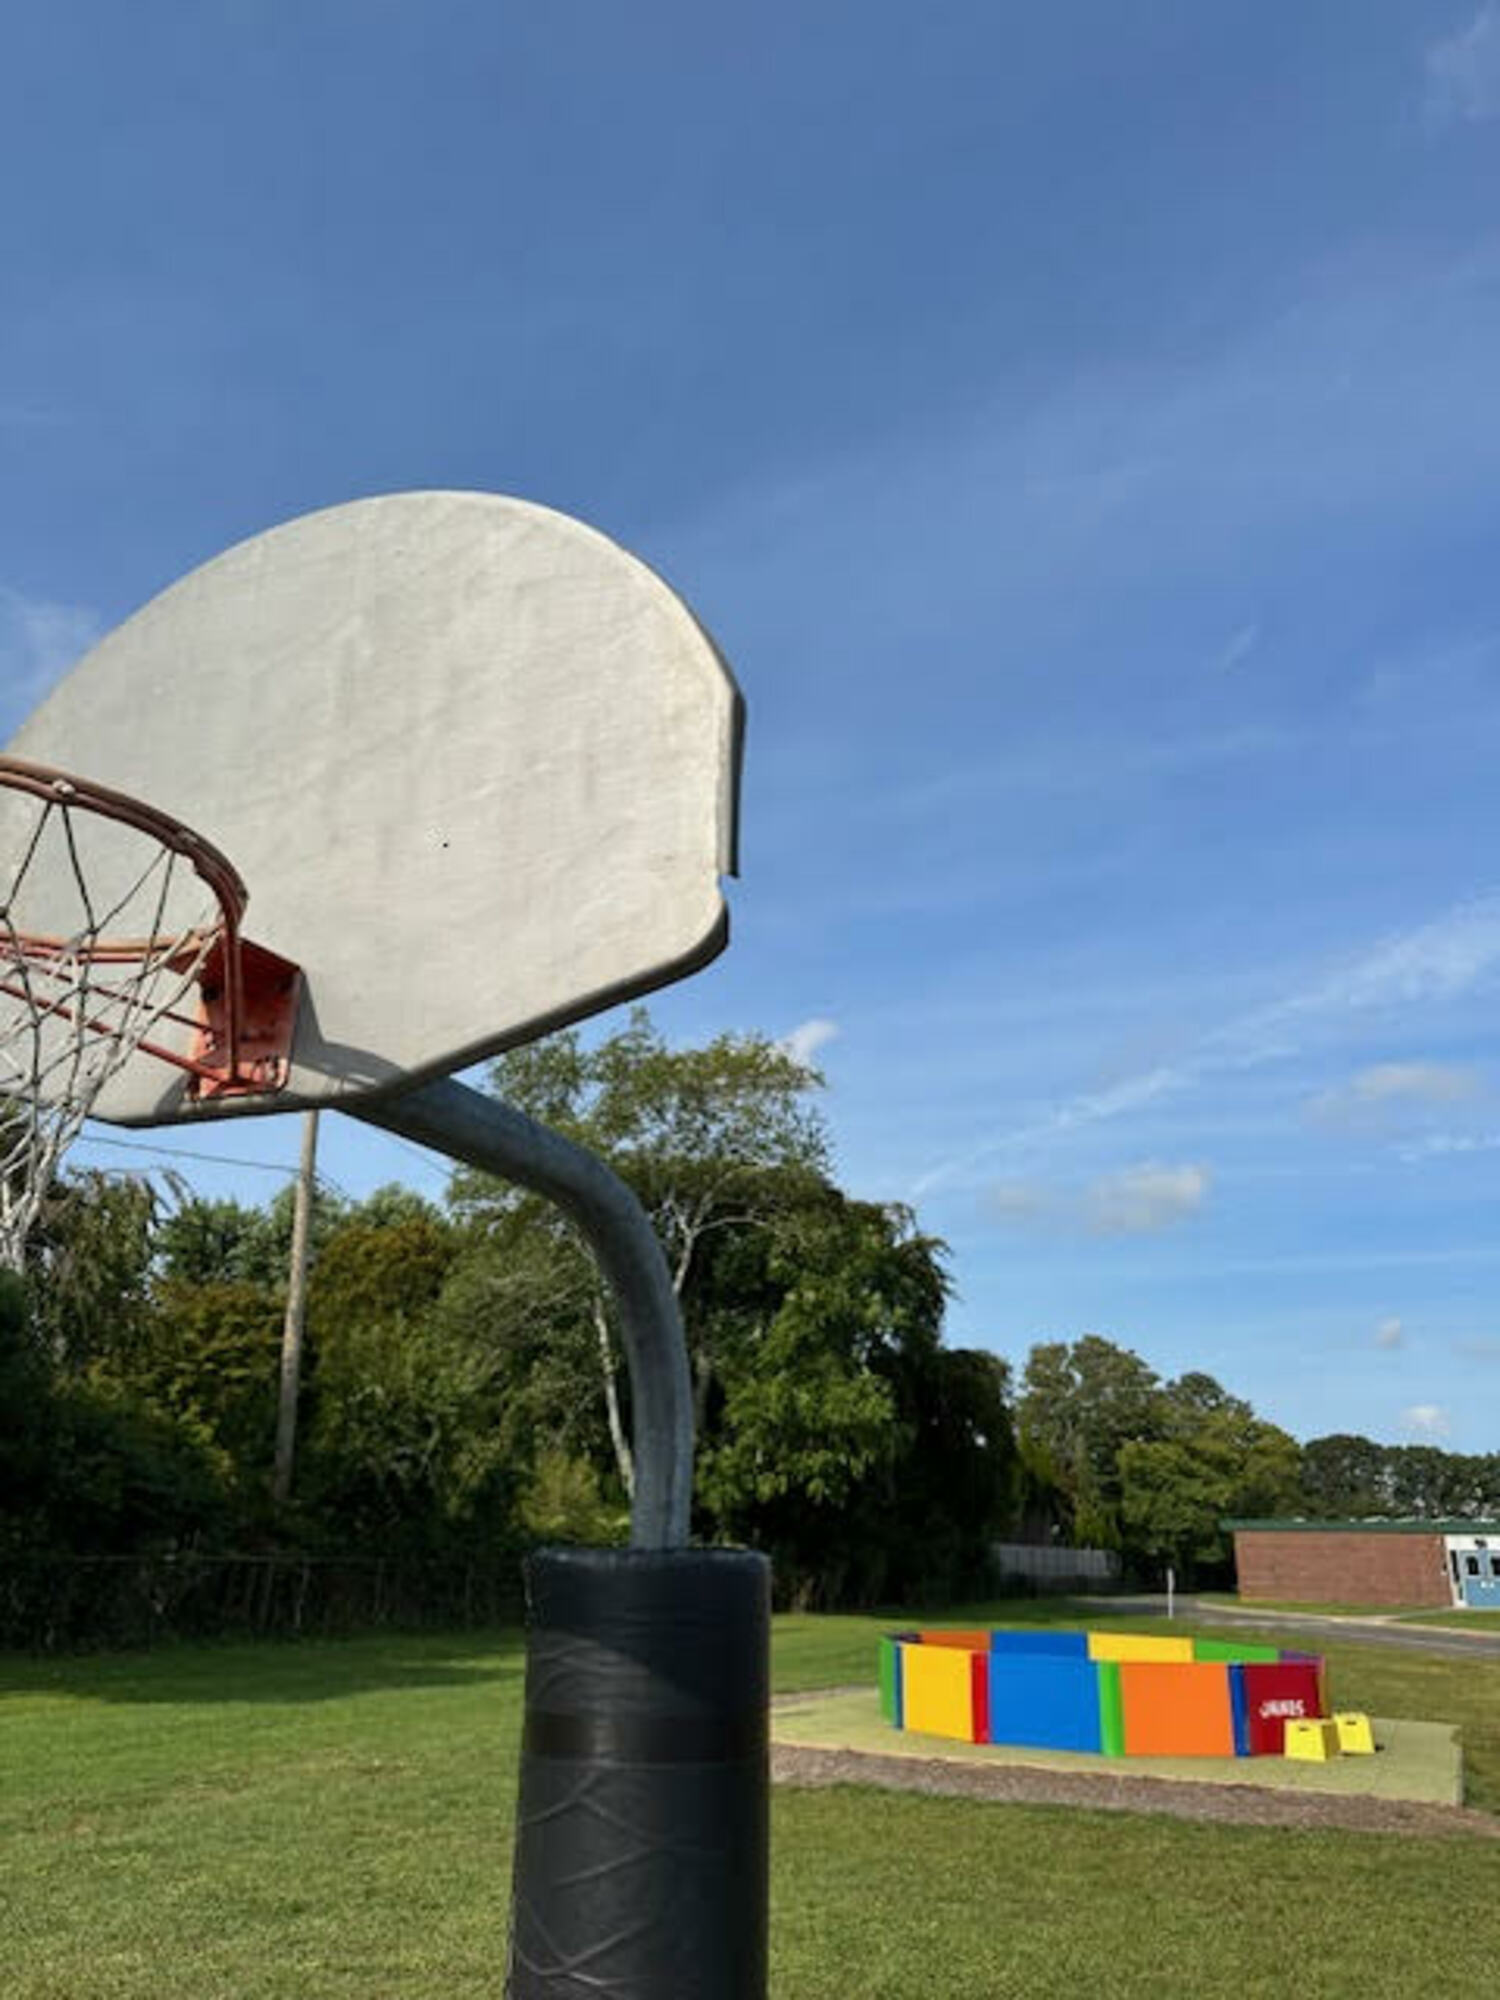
[[463, 1123]]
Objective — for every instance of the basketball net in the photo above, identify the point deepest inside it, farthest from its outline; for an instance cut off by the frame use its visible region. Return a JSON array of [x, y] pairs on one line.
[[115, 923]]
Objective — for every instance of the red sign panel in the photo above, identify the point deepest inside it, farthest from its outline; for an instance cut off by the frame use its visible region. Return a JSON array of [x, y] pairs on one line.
[[1276, 1695]]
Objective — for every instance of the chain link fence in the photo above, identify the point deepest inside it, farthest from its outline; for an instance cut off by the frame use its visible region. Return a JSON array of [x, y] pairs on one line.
[[58, 1603]]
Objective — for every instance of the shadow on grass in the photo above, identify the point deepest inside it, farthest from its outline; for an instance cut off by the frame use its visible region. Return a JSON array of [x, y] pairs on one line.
[[271, 1671]]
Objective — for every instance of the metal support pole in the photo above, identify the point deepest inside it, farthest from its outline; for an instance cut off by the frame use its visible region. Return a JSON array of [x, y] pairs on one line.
[[642, 1818], [295, 1318], [463, 1123]]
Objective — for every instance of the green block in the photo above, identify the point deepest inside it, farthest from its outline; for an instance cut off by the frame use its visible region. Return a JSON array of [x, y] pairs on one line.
[[1230, 1651], [889, 1670], [1111, 1709]]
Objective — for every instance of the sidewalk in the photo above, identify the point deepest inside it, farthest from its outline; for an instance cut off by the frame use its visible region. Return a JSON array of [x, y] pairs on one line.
[[1403, 1620]]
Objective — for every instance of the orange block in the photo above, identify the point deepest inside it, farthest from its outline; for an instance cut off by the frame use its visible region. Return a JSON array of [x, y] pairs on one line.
[[1177, 1709], [971, 1642]]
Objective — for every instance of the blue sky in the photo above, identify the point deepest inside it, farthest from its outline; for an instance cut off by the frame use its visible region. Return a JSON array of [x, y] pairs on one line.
[[1080, 426]]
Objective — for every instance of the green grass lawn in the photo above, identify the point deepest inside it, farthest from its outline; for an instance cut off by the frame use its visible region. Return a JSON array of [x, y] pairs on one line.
[[332, 1819], [1461, 1621]]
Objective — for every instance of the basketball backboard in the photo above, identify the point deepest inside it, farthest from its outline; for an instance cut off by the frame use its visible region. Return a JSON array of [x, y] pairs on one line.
[[477, 766]]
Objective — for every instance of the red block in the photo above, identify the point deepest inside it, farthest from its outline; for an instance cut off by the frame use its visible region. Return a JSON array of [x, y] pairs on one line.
[[1273, 1695], [979, 1680]]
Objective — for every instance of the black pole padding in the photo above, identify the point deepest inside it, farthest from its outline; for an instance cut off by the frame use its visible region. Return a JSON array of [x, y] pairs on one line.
[[642, 1835]]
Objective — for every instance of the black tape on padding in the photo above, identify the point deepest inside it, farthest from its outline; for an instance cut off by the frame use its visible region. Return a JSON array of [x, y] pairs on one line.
[[642, 1832], [640, 1739]]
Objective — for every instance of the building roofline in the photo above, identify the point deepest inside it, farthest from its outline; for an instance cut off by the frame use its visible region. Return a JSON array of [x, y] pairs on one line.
[[1383, 1526]]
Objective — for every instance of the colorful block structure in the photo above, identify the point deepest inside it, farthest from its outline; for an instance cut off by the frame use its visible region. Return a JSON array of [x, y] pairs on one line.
[[1118, 1694]]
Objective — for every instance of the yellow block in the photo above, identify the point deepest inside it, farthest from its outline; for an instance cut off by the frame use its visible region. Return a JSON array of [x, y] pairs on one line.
[[937, 1691], [1355, 1733], [1315, 1737], [1134, 1646]]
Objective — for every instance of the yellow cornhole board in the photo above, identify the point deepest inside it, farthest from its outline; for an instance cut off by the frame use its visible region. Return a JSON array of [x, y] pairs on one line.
[[1314, 1737], [1356, 1737]]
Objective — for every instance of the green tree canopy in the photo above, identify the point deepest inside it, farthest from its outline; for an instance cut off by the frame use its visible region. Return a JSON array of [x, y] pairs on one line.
[[1081, 1404], [1217, 1459], [711, 1139]]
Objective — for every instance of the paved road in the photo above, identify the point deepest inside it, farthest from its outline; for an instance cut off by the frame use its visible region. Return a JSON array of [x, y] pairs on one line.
[[1446, 1641]]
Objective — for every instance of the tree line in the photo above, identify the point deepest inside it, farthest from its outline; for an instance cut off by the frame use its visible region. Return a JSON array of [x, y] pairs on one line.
[[464, 1394], [464, 1390]]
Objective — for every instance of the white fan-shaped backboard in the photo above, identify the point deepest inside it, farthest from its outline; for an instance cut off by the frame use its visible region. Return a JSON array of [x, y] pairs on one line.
[[477, 765]]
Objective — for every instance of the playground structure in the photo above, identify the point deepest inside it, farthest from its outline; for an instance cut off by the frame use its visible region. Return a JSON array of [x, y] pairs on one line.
[[1115, 1694]]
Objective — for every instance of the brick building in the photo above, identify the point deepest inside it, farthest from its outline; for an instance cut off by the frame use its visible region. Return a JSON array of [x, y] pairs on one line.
[[1437, 1563]]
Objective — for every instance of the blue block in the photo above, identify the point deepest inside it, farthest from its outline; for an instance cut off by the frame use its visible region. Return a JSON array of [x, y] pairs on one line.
[[1240, 1711], [1049, 1702], [1051, 1645]]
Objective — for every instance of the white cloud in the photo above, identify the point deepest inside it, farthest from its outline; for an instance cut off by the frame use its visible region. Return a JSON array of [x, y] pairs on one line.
[[1452, 954], [1427, 1420], [1141, 1199], [1442, 1145], [1393, 1093], [1019, 1202], [1463, 72], [1135, 1201], [1485, 1351], [1237, 649], [1389, 1334], [1427, 1082], [38, 640], [804, 1041], [1432, 961]]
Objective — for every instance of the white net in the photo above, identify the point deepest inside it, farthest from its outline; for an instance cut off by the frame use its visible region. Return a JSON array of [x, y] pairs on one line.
[[104, 933]]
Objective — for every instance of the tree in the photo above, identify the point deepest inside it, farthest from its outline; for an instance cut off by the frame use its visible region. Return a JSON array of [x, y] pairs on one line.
[[710, 1139], [1218, 1460], [205, 1242], [463, 1377], [404, 1447], [831, 1424], [1351, 1477], [392, 1267], [214, 1242], [1345, 1477], [807, 1411], [207, 1359], [89, 1268], [1080, 1405], [1148, 1467], [1430, 1484], [564, 1501], [25, 1399], [867, 1458], [88, 1464]]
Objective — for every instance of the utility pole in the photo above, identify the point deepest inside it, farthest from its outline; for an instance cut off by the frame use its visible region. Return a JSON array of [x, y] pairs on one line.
[[296, 1316]]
